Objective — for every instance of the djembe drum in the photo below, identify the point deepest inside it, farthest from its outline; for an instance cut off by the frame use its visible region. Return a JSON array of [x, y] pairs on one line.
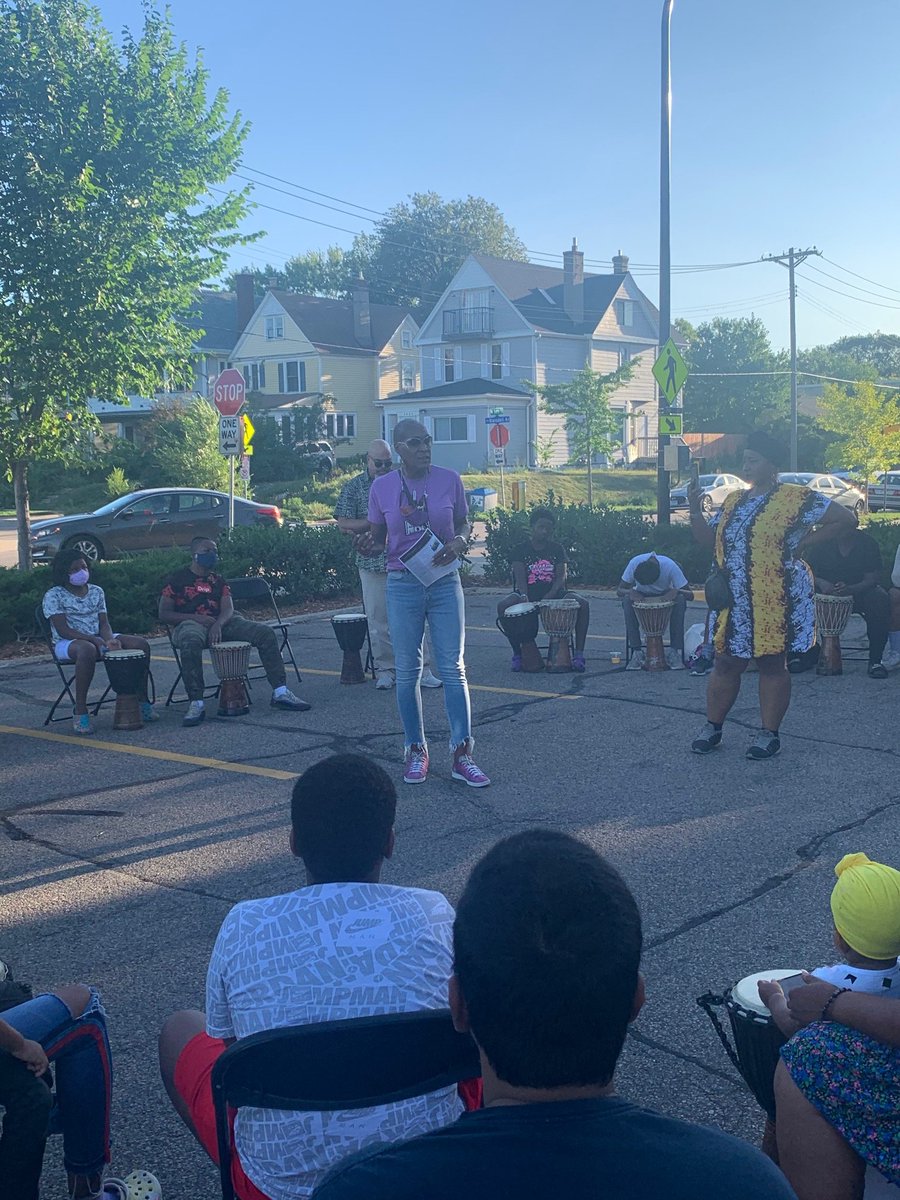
[[231, 661], [832, 615], [757, 1039], [127, 673], [520, 623], [653, 617], [351, 630], [558, 619]]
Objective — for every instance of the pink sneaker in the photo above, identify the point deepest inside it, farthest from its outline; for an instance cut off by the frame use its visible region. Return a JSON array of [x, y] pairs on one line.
[[416, 768], [465, 768]]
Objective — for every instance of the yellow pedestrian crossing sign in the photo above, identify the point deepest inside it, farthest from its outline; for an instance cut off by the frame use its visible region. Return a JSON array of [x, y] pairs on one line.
[[670, 371], [671, 424]]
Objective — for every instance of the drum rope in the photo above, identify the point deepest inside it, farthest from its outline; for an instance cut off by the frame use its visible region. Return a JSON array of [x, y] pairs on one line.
[[706, 1002]]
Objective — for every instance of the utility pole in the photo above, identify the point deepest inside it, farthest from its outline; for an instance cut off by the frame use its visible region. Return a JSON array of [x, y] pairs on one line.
[[665, 247], [792, 259]]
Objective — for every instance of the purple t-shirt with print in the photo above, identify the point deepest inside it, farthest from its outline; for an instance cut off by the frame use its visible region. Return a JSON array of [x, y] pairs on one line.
[[445, 507]]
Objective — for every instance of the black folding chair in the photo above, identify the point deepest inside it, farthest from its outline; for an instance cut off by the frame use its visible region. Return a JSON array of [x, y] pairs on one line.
[[253, 589], [209, 692], [67, 680], [335, 1065]]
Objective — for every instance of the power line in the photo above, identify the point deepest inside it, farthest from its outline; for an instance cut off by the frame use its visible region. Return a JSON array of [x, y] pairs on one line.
[[847, 271], [855, 286], [850, 296]]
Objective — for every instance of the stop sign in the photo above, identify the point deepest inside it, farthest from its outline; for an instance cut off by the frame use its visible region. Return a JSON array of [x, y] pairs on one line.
[[228, 393], [499, 436]]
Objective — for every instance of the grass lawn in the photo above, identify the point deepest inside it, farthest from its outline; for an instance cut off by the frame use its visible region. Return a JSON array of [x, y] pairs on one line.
[[629, 488]]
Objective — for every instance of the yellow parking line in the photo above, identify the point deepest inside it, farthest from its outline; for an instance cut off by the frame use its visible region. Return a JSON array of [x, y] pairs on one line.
[[473, 687], [193, 760]]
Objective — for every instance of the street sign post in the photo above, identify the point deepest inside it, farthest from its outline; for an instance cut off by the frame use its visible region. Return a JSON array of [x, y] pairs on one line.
[[247, 431], [229, 436], [245, 468], [670, 371], [499, 456], [671, 424], [499, 436], [499, 419], [229, 394]]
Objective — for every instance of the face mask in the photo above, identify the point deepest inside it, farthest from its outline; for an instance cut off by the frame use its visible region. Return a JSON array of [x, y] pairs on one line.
[[207, 559], [79, 577]]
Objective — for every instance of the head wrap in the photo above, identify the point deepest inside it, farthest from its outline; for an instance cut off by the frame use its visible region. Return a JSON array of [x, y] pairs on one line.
[[770, 448], [865, 904]]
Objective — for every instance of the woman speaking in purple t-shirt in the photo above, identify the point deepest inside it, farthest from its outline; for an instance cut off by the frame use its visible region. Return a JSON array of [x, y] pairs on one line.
[[406, 507]]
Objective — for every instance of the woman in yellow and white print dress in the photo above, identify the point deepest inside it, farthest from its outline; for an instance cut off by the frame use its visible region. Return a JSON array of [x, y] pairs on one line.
[[757, 537]]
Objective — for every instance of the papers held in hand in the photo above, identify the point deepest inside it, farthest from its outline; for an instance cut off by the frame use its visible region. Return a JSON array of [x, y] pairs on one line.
[[419, 559]]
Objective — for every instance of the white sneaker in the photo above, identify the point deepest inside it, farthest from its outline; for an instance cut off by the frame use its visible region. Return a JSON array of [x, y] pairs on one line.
[[384, 681], [674, 659], [890, 659], [430, 680], [636, 662]]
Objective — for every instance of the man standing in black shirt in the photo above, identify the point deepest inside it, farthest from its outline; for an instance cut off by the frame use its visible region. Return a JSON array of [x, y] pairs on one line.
[[851, 565], [546, 956], [539, 566]]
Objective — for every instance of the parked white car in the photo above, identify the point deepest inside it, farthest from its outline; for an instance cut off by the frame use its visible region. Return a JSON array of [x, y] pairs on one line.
[[714, 489], [829, 485], [884, 491]]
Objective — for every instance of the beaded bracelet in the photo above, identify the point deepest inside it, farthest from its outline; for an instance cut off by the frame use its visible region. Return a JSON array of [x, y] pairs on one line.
[[831, 999]]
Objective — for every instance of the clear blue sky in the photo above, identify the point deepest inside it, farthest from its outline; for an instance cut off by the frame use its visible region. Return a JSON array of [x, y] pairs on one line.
[[784, 131]]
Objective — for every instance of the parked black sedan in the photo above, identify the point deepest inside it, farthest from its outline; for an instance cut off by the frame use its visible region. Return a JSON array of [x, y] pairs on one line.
[[146, 520]]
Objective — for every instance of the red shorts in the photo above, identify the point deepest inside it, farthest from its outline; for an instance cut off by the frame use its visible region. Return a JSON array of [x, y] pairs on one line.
[[193, 1083]]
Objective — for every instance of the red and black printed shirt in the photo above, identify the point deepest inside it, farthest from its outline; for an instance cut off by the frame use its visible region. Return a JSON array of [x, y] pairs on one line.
[[201, 594]]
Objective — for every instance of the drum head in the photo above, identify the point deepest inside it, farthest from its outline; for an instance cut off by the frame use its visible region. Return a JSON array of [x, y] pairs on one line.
[[230, 646], [520, 610], [122, 655], [745, 993], [349, 617]]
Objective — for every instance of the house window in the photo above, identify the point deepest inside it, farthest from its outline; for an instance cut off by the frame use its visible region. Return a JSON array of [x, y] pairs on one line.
[[274, 328], [624, 355], [449, 363], [406, 339], [453, 429], [499, 360], [254, 376], [625, 313], [407, 374], [292, 376], [340, 425], [223, 365]]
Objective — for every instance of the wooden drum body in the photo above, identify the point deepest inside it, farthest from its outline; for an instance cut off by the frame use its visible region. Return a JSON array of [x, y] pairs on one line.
[[832, 615], [558, 619], [231, 662], [350, 629], [127, 672], [520, 623], [654, 617]]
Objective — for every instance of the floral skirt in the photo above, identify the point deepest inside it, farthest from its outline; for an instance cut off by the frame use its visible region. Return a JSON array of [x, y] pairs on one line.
[[854, 1082]]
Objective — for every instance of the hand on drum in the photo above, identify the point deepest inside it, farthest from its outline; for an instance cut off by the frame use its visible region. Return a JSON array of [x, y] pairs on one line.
[[806, 1003], [215, 633], [114, 644]]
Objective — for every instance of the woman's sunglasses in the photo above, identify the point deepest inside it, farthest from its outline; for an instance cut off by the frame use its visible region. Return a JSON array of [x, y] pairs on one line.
[[415, 442]]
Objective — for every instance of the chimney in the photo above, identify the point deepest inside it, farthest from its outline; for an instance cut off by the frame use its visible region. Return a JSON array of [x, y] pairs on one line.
[[246, 304], [620, 264], [362, 316], [573, 283]]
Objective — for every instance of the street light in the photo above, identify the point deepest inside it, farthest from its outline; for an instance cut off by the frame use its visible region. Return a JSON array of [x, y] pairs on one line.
[[665, 247]]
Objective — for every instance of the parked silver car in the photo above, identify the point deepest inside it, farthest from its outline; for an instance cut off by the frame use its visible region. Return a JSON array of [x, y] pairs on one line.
[[829, 485], [884, 491], [714, 489]]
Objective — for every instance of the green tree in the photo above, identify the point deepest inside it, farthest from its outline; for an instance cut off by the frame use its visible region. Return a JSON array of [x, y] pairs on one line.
[[410, 256], [107, 157], [880, 351], [590, 421], [866, 420], [181, 447], [732, 388]]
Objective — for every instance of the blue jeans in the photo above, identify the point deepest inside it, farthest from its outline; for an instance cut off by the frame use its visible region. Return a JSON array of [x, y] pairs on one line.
[[409, 605], [78, 1050]]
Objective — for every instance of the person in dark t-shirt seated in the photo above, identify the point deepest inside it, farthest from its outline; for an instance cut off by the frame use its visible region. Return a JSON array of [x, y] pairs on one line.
[[851, 565], [196, 603], [546, 957], [539, 566]]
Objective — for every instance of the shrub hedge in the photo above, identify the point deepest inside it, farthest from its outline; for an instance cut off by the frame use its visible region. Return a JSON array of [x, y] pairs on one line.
[[601, 542], [301, 563]]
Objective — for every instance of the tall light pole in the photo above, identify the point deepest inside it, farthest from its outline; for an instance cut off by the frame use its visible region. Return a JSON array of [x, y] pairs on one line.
[[665, 246]]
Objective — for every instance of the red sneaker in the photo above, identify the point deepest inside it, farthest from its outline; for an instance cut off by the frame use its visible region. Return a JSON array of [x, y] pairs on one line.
[[465, 768], [416, 768]]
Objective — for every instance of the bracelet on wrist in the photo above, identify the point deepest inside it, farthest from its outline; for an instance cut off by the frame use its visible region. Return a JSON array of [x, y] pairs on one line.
[[838, 991]]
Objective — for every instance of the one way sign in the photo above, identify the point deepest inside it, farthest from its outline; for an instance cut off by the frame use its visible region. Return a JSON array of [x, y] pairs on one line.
[[230, 436]]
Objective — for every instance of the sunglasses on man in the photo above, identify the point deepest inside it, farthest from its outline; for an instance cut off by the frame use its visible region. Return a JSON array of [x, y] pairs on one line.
[[415, 442], [380, 462]]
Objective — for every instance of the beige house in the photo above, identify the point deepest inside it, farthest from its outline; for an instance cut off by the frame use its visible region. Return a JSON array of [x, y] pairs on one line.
[[294, 350]]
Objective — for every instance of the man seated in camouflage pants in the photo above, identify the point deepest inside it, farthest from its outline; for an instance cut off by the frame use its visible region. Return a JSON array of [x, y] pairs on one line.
[[196, 602]]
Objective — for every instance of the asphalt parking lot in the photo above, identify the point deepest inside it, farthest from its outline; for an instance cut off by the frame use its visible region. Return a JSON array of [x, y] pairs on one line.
[[121, 854]]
